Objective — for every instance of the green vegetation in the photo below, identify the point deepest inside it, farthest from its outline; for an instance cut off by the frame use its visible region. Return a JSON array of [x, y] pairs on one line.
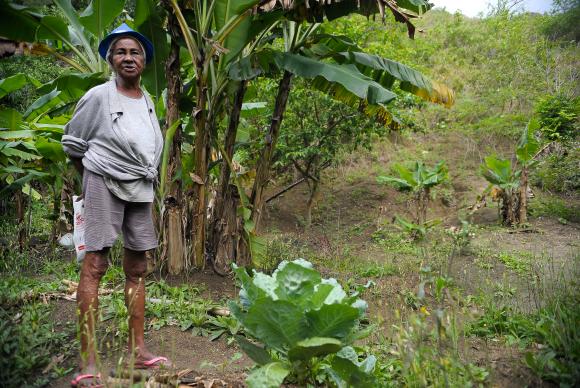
[[453, 308], [552, 329], [419, 180], [307, 326]]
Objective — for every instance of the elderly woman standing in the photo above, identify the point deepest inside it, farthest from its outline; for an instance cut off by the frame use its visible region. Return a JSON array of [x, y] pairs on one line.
[[115, 142]]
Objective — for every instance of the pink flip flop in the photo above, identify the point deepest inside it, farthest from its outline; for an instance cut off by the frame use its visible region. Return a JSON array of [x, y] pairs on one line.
[[154, 363], [95, 380]]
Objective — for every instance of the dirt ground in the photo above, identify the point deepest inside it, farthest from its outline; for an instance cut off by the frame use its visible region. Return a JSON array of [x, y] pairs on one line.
[[350, 209]]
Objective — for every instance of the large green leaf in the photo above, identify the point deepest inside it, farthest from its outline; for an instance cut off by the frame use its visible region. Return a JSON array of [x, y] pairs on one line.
[[417, 6], [334, 320], [279, 324], [344, 76], [13, 83], [72, 86], [271, 375], [10, 149], [18, 22], [10, 118], [21, 134], [528, 145], [53, 27], [314, 347], [51, 150], [347, 371], [255, 352], [399, 183], [149, 20], [497, 171], [100, 14], [237, 38], [386, 71], [296, 282], [76, 28], [42, 105], [327, 292]]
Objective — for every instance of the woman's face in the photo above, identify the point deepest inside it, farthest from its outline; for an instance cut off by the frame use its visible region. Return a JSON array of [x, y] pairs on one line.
[[128, 59]]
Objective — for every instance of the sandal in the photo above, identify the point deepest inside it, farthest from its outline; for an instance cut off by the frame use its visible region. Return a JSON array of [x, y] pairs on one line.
[[154, 363], [95, 382]]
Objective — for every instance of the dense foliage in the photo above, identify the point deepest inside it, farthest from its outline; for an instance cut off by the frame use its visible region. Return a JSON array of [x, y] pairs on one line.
[[307, 325]]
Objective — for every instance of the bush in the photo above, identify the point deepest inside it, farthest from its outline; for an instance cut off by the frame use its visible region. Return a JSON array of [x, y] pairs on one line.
[[554, 328], [558, 116], [559, 172]]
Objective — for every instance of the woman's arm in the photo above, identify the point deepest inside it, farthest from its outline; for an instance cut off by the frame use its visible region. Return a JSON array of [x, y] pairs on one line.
[[78, 163]]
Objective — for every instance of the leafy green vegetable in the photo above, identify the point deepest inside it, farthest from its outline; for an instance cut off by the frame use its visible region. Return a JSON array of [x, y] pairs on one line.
[[300, 318]]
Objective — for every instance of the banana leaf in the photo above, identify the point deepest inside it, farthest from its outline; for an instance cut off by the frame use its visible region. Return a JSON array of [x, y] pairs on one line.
[[340, 79], [99, 14], [13, 83], [386, 71], [238, 37], [149, 20], [76, 29], [10, 118], [18, 22]]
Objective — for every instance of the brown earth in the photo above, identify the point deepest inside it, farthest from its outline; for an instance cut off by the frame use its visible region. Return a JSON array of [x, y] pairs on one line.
[[351, 207]]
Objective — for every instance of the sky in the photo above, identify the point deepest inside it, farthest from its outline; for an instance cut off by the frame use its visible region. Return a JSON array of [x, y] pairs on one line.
[[474, 7]]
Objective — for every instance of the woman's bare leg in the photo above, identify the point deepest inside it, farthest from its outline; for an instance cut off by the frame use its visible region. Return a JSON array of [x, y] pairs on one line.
[[135, 267], [93, 268]]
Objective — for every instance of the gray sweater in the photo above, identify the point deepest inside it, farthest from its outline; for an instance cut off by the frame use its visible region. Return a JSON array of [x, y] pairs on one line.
[[93, 134]]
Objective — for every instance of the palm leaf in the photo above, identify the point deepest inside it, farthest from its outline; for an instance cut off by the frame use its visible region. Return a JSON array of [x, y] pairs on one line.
[[13, 83], [149, 21], [386, 71], [237, 38]]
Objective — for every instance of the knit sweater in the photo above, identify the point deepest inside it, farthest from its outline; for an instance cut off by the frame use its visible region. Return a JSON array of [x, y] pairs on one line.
[[93, 134]]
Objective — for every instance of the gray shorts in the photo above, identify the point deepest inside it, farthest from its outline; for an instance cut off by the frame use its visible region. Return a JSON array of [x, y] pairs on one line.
[[106, 216]]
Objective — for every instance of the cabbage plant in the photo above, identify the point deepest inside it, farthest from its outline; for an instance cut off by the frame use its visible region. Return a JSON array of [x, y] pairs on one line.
[[306, 324]]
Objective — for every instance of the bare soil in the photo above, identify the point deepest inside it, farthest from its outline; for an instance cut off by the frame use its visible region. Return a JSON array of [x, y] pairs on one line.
[[350, 208]]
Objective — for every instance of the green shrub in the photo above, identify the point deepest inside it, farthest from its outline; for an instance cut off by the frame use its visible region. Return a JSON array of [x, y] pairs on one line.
[[558, 117], [554, 328], [306, 324], [558, 173], [28, 342]]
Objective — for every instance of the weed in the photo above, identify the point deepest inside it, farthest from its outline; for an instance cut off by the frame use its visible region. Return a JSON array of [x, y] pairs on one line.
[[545, 205], [421, 354], [517, 262], [29, 344], [377, 270], [554, 330]]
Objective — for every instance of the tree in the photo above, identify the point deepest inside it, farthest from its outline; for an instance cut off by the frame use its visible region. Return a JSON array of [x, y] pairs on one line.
[[315, 132]]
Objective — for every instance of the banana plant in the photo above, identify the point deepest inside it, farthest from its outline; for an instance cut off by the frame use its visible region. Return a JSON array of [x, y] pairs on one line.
[[418, 180], [508, 182]]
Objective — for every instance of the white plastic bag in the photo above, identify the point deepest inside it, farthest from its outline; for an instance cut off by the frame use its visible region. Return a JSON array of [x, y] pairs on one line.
[[79, 227]]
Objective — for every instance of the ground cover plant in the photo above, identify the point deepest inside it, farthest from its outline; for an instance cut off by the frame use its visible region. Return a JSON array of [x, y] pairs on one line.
[[307, 325], [290, 167]]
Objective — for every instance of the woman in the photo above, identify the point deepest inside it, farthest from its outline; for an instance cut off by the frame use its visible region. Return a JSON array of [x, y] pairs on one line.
[[115, 142]]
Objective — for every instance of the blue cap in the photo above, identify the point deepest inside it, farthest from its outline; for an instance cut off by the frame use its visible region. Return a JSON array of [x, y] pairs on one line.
[[125, 30]]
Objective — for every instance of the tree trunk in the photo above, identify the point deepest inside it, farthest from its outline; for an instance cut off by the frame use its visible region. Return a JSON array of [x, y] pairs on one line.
[[523, 210], [173, 239], [228, 232], [200, 168], [263, 167], [219, 221], [313, 191], [20, 219]]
